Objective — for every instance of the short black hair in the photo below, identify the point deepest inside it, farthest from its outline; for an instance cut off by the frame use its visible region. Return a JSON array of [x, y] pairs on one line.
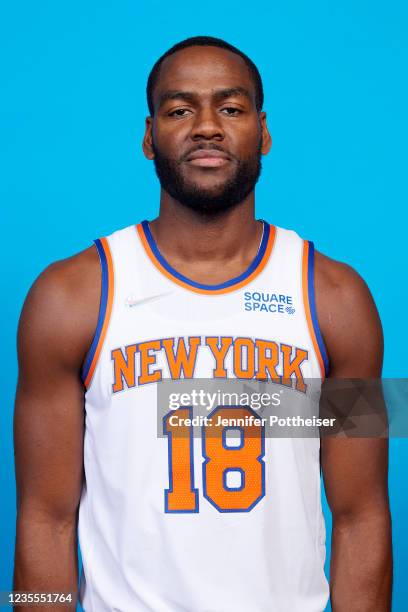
[[204, 41]]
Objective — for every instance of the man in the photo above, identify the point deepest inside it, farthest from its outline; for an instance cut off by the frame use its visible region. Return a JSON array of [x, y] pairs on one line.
[[203, 291]]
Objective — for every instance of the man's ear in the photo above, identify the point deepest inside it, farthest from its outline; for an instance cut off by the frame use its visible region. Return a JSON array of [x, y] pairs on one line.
[[266, 137], [147, 144]]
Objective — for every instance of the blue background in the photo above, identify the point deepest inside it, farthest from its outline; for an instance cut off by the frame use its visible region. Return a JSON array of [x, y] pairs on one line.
[[72, 110]]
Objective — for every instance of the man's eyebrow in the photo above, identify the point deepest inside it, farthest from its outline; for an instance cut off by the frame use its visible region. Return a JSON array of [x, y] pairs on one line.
[[176, 94], [189, 96], [230, 92]]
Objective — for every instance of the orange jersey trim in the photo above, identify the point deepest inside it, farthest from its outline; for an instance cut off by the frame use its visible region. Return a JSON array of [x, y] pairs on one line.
[[306, 288], [209, 291], [104, 319]]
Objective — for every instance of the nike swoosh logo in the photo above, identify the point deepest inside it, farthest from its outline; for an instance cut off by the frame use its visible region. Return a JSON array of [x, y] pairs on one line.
[[131, 302]]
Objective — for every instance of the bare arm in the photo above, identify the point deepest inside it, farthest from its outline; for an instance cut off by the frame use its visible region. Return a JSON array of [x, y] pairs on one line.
[[355, 469], [55, 332]]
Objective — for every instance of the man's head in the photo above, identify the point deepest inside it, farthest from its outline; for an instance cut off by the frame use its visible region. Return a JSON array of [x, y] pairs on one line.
[[206, 131]]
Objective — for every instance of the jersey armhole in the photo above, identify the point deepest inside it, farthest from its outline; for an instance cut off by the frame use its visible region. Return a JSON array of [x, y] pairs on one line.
[[105, 309], [310, 307]]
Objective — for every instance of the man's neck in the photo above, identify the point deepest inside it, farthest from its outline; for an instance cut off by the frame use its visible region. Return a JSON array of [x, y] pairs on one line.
[[184, 235]]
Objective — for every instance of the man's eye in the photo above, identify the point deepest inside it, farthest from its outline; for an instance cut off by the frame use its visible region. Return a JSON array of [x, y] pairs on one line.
[[230, 110], [179, 112]]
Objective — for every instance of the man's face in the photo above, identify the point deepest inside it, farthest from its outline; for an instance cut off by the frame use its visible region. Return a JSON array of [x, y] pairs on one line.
[[206, 137]]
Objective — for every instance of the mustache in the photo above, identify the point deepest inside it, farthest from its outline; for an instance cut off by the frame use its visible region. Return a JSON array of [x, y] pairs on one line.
[[209, 147]]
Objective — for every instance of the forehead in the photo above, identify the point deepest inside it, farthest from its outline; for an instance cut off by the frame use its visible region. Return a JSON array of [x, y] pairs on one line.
[[202, 69]]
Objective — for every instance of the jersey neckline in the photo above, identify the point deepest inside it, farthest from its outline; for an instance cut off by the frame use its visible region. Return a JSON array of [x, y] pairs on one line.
[[253, 270]]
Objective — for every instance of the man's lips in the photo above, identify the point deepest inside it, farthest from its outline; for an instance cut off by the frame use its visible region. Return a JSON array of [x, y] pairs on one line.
[[211, 158]]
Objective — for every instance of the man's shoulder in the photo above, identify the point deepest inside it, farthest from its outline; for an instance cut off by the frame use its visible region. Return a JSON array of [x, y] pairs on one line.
[[62, 306], [334, 274], [347, 314], [66, 278], [338, 281], [333, 277], [73, 285]]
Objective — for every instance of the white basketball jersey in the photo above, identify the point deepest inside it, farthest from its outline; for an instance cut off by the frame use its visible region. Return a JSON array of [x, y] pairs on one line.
[[196, 523]]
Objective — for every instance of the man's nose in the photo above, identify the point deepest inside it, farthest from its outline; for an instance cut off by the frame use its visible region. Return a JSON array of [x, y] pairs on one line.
[[207, 125]]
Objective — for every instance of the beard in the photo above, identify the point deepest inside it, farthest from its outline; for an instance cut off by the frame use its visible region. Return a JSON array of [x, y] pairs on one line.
[[208, 201]]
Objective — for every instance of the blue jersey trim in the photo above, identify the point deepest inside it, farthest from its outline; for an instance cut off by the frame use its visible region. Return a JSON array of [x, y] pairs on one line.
[[312, 304], [102, 309], [229, 283]]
